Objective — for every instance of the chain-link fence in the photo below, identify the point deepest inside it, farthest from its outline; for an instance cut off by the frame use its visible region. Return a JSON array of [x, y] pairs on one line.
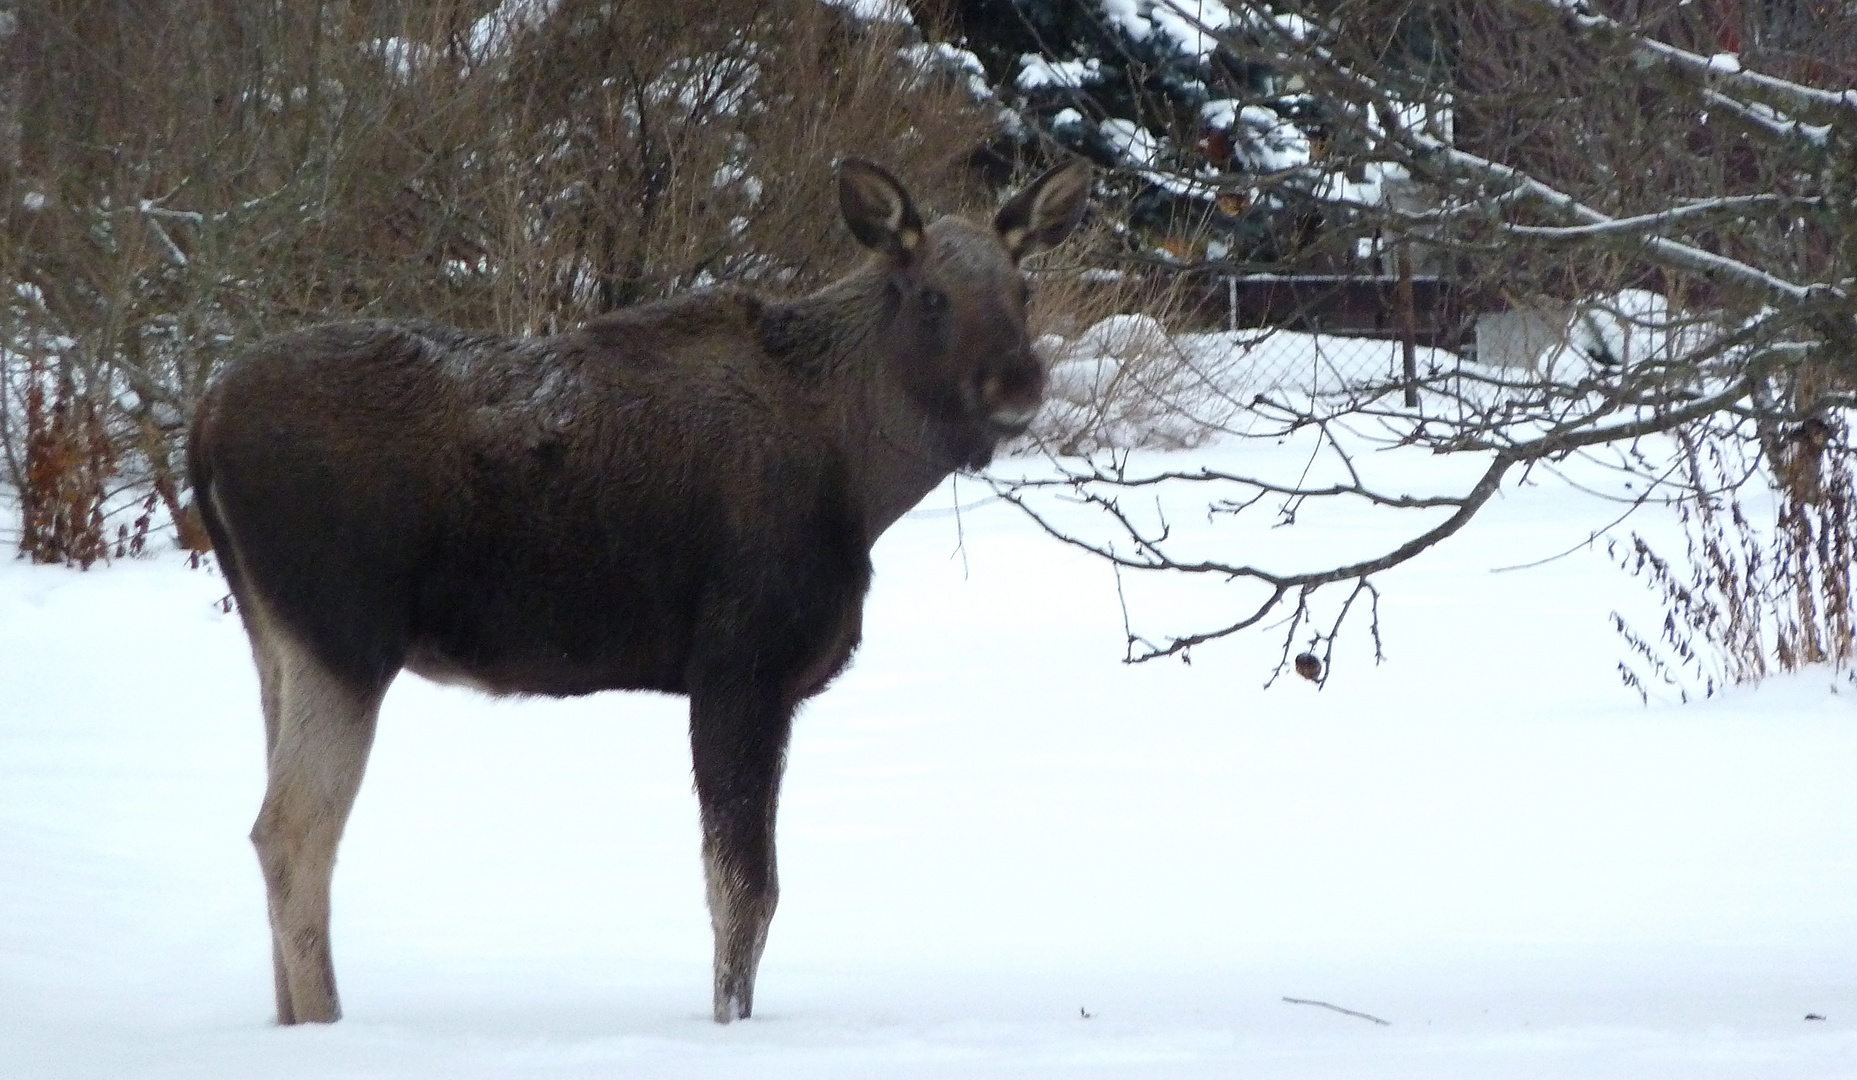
[[1126, 381]]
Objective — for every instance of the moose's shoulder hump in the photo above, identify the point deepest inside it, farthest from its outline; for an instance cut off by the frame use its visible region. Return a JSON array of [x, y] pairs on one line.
[[370, 341], [704, 313]]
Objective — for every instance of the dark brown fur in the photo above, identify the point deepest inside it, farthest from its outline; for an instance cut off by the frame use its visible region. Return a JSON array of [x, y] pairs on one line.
[[680, 497]]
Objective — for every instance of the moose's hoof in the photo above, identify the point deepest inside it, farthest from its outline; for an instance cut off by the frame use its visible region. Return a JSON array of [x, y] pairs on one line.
[[730, 1008]]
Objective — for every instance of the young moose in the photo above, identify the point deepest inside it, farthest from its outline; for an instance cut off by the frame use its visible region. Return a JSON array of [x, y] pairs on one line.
[[678, 497]]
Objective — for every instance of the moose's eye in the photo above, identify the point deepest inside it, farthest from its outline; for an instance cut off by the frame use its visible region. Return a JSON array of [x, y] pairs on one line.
[[934, 301]]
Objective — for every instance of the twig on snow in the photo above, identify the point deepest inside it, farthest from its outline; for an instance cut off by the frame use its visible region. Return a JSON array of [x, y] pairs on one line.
[[1339, 1009]]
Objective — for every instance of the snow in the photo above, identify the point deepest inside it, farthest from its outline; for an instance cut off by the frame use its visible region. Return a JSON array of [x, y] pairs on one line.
[[1141, 150], [1267, 142], [962, 63], [1179, 22], [1129, 17], [1275, 143], [1004, 854], [717, 83], [734, 174], [1297, 27], [1629, 327], [1036, 72], [1130, 141], [1187, 23], [1106, 384], [496, 30], [1124, 382], [883, 11]]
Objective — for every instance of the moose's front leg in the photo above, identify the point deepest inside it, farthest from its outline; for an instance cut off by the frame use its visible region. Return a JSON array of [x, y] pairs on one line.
[[738, 741]]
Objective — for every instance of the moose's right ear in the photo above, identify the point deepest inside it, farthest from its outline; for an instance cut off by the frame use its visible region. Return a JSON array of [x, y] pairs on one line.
[[878, 209]]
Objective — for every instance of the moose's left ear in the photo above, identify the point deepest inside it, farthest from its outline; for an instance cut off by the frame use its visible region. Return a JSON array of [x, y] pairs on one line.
[[1044, 213]]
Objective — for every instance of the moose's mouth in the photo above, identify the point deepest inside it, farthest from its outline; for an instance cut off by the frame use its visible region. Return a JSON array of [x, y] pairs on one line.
[[1008, 421]]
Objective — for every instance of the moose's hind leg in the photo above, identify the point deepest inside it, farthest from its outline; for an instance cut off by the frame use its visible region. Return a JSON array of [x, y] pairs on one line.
[[320, 728], [270, 685]]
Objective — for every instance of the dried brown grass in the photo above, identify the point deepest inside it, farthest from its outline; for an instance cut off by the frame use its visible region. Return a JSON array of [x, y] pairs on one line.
[[1753, 595]]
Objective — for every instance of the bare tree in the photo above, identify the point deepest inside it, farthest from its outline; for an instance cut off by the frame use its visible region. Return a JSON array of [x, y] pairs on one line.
[[1683, 218]]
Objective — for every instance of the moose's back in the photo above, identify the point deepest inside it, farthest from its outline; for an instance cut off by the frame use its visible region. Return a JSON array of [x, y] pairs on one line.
[[538, 516]]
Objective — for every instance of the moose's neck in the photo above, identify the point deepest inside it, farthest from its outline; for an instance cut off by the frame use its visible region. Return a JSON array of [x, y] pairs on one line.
[[893, 451], [895, 476]]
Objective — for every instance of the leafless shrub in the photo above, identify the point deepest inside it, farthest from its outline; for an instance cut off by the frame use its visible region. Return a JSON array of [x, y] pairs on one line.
[[1758, 589], [180, 179], [68, 459]]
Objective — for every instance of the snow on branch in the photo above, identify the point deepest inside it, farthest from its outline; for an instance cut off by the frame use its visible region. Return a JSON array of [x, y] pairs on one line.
[[1770, 120], [1427, 148], [1721, 69], [1672, 253], [1645, 222]]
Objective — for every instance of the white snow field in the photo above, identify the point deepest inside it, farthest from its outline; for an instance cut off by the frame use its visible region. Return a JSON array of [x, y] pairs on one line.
[[1003, 853]]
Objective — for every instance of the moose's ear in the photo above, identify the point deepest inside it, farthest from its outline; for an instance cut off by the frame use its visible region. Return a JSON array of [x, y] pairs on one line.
[[1044, 213], [878, 209]]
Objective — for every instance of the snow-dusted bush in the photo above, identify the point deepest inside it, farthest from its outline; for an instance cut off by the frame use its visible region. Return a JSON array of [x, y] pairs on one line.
[[180, 180]]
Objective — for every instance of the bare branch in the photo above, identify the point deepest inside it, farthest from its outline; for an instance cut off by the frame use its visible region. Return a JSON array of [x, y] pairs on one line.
[[1650, 222]]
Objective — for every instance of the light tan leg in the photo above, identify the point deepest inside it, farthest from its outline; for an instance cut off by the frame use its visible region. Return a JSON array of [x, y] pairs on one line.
[[270, 687], [741, 906], [319, 730], [738, 741]]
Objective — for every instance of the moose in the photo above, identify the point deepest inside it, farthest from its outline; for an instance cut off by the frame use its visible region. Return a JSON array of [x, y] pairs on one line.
[[679, 497]]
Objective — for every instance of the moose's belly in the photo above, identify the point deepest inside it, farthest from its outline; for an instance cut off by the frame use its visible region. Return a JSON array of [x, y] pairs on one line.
[[560, 642], [531, 672]]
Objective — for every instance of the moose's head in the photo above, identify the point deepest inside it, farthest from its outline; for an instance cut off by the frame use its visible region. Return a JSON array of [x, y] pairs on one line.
[[955, 301]]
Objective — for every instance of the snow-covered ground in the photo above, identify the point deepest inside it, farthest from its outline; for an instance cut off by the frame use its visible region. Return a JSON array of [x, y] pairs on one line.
[[1004, 854]]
